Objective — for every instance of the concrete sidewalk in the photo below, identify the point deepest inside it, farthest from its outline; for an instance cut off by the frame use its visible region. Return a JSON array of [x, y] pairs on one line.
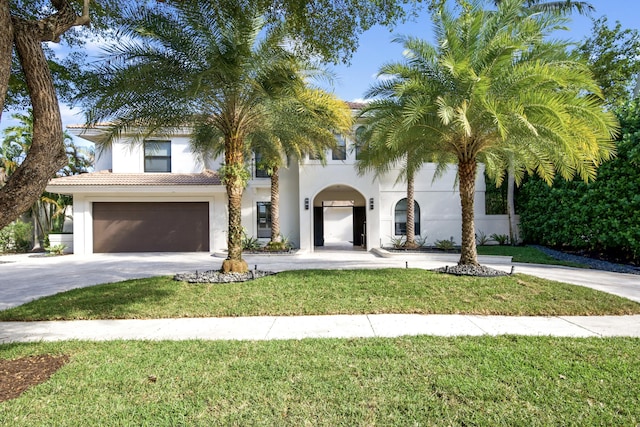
[[299, 327]]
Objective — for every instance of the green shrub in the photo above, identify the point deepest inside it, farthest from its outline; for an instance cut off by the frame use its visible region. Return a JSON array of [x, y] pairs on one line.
[[283, 245], [16, 237], [600, 216], [501, 239], [398, 242], [56, 249], [249, 243], [482, 238], [446, 245]]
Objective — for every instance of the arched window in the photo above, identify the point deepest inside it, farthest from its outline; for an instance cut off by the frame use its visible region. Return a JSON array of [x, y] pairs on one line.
[[401, 218]]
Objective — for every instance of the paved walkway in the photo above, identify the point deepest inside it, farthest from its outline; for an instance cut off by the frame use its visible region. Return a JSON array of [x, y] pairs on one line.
[[298, 327], [27, 277]]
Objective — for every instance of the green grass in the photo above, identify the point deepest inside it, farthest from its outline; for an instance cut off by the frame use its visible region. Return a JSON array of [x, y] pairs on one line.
[[525, 254], [484, 381], [314, 292]]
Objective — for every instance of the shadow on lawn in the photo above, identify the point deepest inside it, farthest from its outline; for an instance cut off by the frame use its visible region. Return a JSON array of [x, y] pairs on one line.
[[108, 301]]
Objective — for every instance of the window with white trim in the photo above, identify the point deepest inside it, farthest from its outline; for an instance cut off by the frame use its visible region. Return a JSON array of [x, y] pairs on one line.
[[157, 156], [264, 219], [401, 218], [340, 152]]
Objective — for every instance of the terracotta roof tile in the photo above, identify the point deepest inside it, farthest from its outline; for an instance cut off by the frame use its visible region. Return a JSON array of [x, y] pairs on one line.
[[106, 178], [356, 105]]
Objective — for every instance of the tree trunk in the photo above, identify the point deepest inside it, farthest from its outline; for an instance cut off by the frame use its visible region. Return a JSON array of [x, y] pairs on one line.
[[467, 178], [411, 229], [47, 153], [6, 45], [234, 182], [275, 205], [511, 206]]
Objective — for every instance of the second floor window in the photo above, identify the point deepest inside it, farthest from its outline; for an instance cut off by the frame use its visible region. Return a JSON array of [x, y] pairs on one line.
[[359, 136], [340, 152], [157, 156], [261, 172]]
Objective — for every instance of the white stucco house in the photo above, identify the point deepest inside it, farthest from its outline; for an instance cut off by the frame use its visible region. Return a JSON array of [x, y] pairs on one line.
[[157, 197]]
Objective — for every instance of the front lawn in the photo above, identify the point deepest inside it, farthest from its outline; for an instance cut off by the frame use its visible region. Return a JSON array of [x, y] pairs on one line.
[[525, 254], [315, 292], [484, 381]]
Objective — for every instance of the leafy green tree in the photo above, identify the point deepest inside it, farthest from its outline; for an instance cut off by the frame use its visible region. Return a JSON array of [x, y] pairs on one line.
[[612, 54], [46, 154], [598, 217], [30, 74], [491, 88], [387, 144], [564, 7], [217, 70]]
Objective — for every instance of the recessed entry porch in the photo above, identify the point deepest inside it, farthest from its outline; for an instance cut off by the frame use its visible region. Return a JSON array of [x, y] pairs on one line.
[[339, 219]]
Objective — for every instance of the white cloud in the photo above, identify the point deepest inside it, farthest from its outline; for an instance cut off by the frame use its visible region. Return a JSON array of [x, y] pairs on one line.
[[361, 100]]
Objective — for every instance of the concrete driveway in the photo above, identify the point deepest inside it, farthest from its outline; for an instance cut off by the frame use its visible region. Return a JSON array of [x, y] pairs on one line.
[[27, 277]]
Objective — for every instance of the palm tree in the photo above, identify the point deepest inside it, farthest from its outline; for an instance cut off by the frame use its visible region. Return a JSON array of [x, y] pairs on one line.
[[386, 147], [192, 64], [304, 123], [561, 7], [491, 88]]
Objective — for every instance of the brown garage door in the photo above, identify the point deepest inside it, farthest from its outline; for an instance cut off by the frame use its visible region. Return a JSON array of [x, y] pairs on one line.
[[150, 227]]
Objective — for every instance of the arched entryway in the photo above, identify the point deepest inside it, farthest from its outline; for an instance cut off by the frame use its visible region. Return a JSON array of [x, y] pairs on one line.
[[339, 218]]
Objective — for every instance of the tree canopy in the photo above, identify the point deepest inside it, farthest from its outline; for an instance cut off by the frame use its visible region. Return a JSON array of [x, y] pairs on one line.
[[491, 89], [317, 28]]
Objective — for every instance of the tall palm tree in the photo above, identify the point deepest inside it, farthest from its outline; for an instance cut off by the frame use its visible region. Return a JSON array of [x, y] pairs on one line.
[[386, 147], [304, 123], [192, 64], [564, 7], [491, 87]]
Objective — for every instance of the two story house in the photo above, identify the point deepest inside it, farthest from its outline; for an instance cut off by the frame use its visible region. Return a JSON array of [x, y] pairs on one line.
[[158, 196]]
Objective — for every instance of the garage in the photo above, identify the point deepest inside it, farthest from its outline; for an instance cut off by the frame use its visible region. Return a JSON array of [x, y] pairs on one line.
[[150, 227]]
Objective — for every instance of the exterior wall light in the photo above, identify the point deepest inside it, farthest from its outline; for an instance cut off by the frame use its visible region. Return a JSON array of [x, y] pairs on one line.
[[306, 203], [371, 204]]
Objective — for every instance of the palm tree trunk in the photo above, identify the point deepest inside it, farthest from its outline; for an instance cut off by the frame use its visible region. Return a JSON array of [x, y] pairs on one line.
[[234, 182], [411, 229], [275, 205], [511, 206], [467, 177]]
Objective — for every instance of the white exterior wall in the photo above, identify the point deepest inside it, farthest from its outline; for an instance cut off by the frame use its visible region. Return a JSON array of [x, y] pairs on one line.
[[290, 204], [259, 190], [103, 160], [337, 180], [439, 201], [129, 158]]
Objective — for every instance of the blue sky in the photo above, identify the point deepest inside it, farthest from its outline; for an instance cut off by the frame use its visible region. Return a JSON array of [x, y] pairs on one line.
[[376, 48]]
